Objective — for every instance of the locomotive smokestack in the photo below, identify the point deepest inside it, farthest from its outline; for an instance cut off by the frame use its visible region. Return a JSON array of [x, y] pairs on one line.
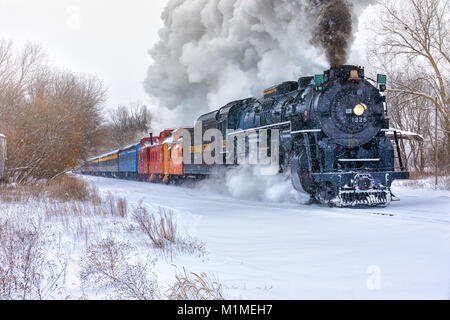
[[334, 29]]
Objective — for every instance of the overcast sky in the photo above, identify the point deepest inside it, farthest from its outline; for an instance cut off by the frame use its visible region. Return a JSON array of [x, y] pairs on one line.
[[108, 38]]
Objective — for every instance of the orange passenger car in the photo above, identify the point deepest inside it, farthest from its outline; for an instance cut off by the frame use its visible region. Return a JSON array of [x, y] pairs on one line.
[[175, 150]]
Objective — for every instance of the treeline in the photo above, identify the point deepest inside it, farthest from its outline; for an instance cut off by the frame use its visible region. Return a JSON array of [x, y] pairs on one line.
[[53, 119], [125, 125], [412, 45]]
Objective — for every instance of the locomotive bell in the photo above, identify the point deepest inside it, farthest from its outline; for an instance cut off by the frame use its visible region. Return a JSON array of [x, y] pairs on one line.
[[354, 76]]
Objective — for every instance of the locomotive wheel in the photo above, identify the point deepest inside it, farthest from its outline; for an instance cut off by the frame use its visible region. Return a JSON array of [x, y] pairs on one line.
[[301, 180]]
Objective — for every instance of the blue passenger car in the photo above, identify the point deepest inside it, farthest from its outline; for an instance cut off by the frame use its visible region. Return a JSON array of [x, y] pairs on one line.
[[128, 162], [107, 165]]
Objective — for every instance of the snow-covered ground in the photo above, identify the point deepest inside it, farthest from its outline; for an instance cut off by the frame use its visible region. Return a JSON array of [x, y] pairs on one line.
[[288, 250], [261, 241]]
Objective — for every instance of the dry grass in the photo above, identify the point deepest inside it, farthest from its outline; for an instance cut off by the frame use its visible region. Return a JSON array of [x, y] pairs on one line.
[[60, 206], [426, 180], [18, 194], [415, 175], [68, 188], [195, 287], [25, 270], [160, 229], [107, 265], [191, 246], [65, 196], [118, 207], [64, 188]]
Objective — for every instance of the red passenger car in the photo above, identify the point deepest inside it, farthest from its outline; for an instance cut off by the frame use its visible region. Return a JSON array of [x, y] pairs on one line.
[[151, 157]]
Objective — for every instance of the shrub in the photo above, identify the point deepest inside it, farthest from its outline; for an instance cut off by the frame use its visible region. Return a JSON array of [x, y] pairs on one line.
[[25, 270], [107, 265], [161, 229]]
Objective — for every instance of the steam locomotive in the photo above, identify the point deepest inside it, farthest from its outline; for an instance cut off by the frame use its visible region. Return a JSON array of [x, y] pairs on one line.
[[334, 140]]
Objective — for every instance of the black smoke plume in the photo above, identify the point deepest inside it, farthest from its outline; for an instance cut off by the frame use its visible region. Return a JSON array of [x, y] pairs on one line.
[[334, 30]]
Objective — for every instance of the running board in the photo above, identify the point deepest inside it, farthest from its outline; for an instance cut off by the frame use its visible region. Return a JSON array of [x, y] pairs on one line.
[[359, 160]]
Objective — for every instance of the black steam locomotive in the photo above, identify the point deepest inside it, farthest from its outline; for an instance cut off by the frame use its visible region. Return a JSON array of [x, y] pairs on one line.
[[334, 135]]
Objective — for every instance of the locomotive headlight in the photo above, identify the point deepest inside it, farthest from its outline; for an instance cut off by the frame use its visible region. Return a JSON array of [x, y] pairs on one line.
[[359, 109]]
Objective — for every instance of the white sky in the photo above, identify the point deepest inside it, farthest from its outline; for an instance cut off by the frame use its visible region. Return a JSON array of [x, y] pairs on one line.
[[108, 38]]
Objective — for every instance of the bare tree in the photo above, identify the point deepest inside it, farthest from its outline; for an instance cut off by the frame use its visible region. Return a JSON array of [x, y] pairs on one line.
[[413, 113], [128, 124], [412, 44], [51, 118], [16, 71]]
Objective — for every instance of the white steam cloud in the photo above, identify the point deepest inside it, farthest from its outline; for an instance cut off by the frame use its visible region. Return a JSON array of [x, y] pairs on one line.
[[247, 183], [214, 51]]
